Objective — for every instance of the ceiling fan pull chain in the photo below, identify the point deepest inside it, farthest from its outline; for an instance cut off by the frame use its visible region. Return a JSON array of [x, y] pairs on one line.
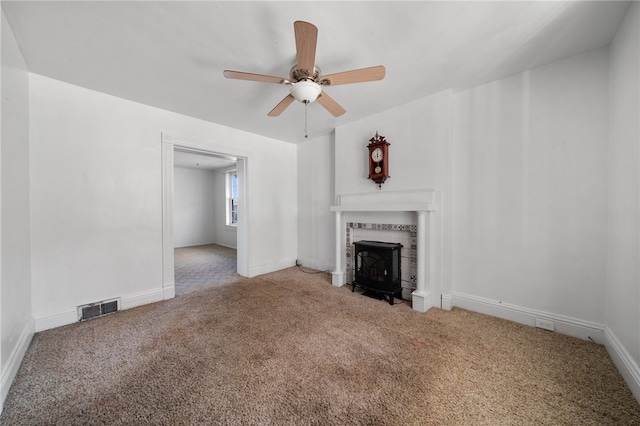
[[306, 105]]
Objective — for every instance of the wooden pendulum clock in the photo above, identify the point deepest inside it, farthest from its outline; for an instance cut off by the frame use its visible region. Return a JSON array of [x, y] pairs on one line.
[[378, 159]]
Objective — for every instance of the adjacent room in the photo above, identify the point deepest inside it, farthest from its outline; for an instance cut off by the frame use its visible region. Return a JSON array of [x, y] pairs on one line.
[[205, 220], [472, 166]]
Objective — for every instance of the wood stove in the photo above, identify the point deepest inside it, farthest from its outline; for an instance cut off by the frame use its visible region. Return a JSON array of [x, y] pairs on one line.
[[377, 268]]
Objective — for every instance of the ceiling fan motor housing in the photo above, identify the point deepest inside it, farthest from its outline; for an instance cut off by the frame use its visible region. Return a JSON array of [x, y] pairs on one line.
[[297, 74]]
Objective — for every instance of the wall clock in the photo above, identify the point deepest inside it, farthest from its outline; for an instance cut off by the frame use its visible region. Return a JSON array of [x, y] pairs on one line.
[[378, 159]]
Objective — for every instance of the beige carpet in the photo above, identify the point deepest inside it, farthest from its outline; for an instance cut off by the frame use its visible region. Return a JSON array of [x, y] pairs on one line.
[[208, 265], [288, 348]]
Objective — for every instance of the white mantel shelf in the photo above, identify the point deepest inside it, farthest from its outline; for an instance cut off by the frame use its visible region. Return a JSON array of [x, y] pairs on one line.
[[389, 201], [383, 208], [422, 202]]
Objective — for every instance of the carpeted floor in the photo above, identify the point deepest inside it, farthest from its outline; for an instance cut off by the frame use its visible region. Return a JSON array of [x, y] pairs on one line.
[[288, 348], [208, 265]]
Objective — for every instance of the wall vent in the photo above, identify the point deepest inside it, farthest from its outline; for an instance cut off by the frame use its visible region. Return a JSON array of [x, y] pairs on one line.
[[97, 309]]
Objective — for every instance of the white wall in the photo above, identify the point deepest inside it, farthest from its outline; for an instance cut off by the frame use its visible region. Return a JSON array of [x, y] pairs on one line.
[[623, 277], [530, 184], [521, 165], [316, 239], [225, 235], [16, 322], [419, 158], [418, 155], [194, 207], [97, 197]]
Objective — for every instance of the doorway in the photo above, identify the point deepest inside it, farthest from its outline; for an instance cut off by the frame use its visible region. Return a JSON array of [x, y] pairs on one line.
[[173, 152], [205, 220]]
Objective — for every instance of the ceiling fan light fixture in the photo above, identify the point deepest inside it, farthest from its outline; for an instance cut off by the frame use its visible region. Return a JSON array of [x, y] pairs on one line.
[[305, 78], [306, 91]]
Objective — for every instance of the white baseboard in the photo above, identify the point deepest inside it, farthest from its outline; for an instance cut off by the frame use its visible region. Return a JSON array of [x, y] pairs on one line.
[[194, 244], [318, 266], [337, 279], [169, 291], [56, 320], [421, 301], [266, 268], [226, 245], [142, 298], [625, 364], [446, 302], [564, 325], [15, 359], [71, 315]]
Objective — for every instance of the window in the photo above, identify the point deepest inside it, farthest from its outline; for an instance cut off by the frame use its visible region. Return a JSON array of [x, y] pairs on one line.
[[232, 198]]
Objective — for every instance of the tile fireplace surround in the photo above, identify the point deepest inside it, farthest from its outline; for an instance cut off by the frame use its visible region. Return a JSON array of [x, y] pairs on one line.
[[423, 204], [406, 235]]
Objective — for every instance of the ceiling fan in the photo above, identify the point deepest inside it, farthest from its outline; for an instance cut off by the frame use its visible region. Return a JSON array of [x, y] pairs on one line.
[[306, 79]]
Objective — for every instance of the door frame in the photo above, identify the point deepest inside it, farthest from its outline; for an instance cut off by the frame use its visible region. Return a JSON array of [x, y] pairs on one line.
[[169, 145]]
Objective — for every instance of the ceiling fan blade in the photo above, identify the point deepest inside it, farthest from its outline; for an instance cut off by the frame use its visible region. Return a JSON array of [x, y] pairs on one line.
[[330, 105], [306, 41], [239, 75], [288, 100], [354, 76]]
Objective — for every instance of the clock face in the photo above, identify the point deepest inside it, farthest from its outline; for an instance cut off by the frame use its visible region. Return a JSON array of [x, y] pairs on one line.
[[376, 155]]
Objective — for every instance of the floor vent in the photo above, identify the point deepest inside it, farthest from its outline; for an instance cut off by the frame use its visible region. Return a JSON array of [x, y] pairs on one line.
[[97, 309]]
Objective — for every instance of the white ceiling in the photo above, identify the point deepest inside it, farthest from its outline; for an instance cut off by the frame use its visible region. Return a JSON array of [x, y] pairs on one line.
[[171, 55]]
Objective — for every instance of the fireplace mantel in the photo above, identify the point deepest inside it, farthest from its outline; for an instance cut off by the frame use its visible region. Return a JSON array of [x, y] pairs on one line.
[[421, 201], [394, 201]]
